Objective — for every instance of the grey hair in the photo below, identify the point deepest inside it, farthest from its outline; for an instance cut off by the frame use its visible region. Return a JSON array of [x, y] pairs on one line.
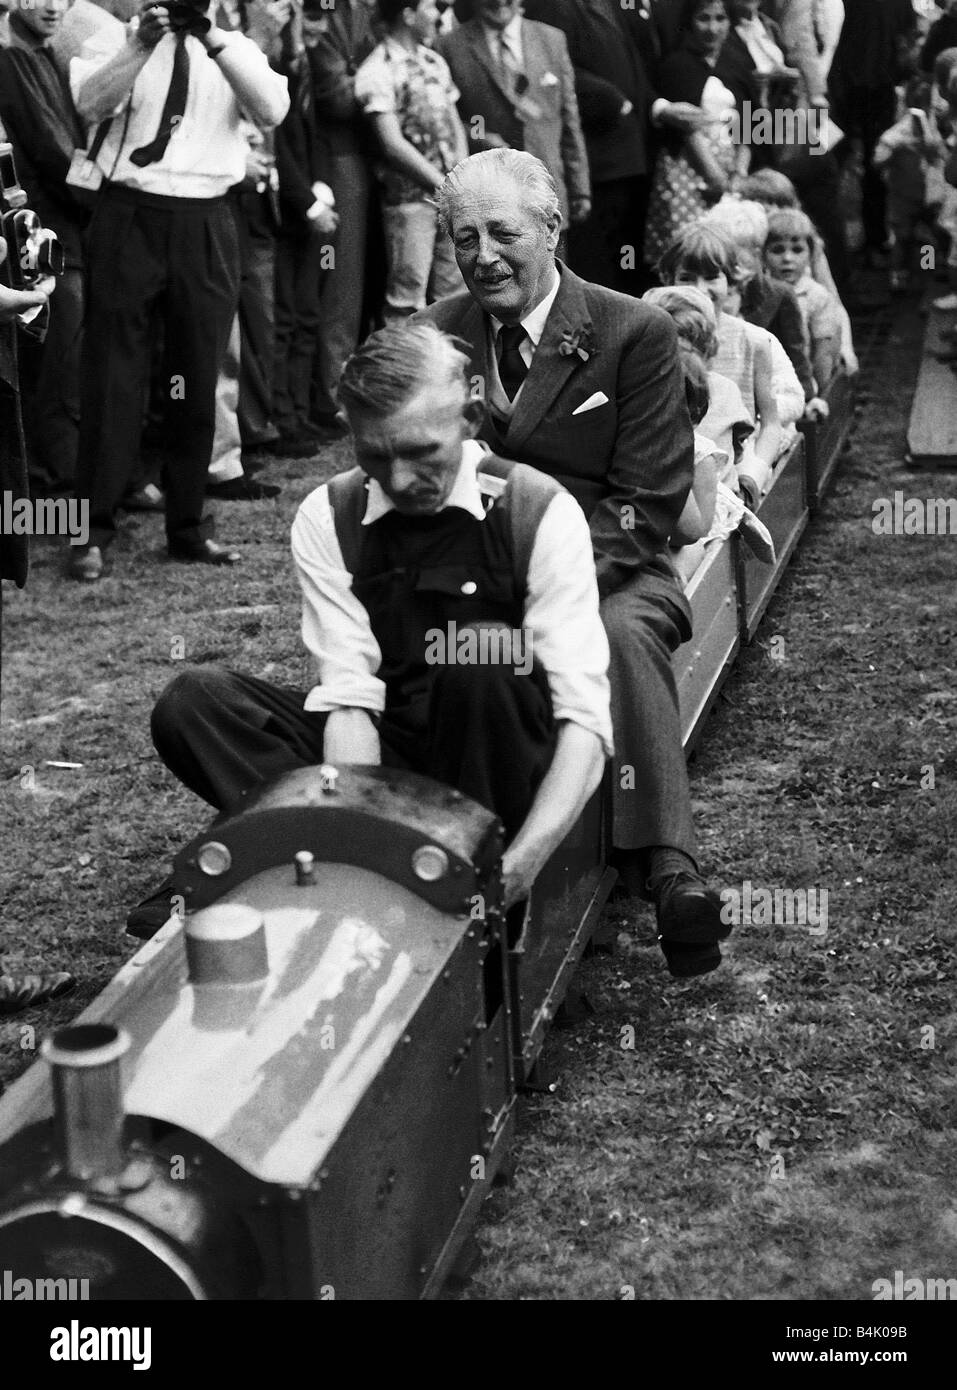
[[397, 363], [487, 170]]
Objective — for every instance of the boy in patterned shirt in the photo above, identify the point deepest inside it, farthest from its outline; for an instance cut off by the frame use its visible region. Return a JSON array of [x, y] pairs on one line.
[[408, 94]]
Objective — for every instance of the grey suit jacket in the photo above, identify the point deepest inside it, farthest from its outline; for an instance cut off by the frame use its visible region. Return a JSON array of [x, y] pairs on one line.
[[543, 120], [629, 457]]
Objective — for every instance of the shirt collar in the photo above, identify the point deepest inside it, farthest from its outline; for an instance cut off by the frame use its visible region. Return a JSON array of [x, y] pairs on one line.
[[512, 32], [466, 490], [534, 322]]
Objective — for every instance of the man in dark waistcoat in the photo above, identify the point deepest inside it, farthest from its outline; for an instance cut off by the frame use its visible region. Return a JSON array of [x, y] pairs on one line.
[[450, 609], [584, 383]]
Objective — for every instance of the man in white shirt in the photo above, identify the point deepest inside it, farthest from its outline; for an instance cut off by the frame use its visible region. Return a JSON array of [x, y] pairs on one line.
[[450, 608], [163, 243]]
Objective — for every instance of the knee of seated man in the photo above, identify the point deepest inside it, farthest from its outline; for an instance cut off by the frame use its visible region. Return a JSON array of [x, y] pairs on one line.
[[188, 691]]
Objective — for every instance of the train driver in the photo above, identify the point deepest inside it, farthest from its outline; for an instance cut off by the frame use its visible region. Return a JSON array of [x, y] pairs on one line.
[[450, 609]]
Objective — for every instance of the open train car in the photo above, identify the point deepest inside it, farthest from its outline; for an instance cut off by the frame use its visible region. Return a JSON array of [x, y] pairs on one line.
[[320, 1059], [730, 591]]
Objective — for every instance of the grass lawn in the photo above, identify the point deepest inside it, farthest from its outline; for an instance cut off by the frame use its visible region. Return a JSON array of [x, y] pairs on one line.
[[781, 1129]]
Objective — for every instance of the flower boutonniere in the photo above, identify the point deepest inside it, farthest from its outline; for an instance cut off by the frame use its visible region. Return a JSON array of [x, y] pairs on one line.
[[579, 343]]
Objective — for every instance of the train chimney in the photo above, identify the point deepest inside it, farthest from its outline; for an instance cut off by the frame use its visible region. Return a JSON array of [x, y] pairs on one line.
[[226, 945], [87, 1097]]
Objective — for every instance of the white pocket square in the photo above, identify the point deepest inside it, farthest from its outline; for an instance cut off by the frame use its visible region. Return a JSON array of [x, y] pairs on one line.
[[593, 402]]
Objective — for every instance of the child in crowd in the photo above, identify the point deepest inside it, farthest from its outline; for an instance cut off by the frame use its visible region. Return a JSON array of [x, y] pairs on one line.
[[714, 508], [750, 356], [727, 422], [775, 190], [766, 302], [407, 91], [910, 157], [787, 256]]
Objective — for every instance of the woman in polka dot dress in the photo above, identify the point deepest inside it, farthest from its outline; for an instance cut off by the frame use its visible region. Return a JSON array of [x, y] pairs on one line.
[[693, 172]]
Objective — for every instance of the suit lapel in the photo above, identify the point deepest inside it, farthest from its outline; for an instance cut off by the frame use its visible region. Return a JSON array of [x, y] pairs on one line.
[[473, 330], [475, 37], [551, 368]]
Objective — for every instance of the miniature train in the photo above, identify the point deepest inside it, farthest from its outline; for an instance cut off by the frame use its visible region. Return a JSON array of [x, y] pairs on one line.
[[321, 1058]]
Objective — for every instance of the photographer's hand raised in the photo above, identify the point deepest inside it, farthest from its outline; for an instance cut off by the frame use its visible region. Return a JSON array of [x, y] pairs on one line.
[[16, 302], [154, 23]]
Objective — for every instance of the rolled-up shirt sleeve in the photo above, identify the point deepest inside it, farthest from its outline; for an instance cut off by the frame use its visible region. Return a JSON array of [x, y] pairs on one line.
[[335, 625], [563, 622]]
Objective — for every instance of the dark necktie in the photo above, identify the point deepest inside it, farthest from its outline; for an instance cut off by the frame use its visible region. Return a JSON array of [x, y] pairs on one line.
[[174, 109], [511, 365]]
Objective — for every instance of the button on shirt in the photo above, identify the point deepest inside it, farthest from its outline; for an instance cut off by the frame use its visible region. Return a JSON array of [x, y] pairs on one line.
[[534, 325], [561, 606], [206, 154]]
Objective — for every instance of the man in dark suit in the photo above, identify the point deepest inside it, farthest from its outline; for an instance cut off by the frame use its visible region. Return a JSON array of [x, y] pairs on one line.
[[615, 53], [585, 384], [517, 89]]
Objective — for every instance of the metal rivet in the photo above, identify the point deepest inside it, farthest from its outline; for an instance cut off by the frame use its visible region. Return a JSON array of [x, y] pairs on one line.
[[429, 863], [305, 868], [214, 858]]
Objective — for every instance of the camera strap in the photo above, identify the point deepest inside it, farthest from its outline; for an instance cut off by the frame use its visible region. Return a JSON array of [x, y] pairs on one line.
[[84, 172]]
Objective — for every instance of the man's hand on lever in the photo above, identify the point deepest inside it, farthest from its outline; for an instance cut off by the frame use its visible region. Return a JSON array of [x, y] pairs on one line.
[[566, 788]]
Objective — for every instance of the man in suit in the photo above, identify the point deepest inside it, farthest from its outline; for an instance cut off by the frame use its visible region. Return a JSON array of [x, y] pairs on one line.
[[517, 89], [585, 384], [614, 52]]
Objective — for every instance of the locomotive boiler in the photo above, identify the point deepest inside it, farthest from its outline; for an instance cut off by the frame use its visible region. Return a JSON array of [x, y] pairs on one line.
[[302, 1087]]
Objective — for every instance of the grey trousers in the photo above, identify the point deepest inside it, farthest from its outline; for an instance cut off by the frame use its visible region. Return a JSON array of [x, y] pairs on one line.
[[651, 797]]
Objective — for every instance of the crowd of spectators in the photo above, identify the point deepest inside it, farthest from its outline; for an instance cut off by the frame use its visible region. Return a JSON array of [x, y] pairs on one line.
[[300, 169]]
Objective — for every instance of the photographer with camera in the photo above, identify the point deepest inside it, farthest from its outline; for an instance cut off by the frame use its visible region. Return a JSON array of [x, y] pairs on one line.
[[174, 93]]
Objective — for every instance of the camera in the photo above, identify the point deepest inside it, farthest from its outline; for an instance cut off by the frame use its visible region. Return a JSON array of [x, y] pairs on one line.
[[188, 16], [33, 251]]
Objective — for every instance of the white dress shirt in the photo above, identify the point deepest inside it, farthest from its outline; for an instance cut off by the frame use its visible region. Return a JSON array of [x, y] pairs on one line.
[[206, 154], [561, 617], [534, 325]]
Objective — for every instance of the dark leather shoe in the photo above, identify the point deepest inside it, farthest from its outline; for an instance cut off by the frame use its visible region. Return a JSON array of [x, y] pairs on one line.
[[22, 991], [145, 920], [689, 912], [86, 564], [206, 553], [242, 489]]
